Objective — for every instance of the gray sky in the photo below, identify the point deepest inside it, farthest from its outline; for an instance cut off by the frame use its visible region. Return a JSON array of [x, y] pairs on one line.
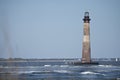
[[54, 28]]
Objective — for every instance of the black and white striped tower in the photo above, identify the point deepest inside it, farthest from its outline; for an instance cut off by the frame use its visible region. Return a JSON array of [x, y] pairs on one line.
[[86, 49]]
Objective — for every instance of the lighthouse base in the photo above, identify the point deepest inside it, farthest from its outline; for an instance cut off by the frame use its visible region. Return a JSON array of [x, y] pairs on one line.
[[80, 63]]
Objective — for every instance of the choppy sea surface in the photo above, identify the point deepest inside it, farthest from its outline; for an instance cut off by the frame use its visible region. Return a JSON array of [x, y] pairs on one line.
[[58, 71]]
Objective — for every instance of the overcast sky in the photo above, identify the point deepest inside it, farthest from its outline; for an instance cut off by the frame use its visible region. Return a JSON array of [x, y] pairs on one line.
[[54, 28]]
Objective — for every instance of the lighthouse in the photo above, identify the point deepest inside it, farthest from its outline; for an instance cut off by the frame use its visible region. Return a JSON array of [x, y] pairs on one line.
[[86, 49]]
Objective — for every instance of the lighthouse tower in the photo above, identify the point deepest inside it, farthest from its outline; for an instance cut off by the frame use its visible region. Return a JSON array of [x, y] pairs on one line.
[[86, 49]]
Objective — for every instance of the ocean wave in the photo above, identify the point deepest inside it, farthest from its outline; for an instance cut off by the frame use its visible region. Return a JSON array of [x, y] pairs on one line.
[[45, 71], [105, 65], [25, 72], [15, 67], [91, 73], [62, 71], [88, 72], [17, 72], [64, 65], [47, 65]]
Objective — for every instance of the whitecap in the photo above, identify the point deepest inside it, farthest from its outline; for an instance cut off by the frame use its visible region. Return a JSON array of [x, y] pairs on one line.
[[62, 71], [64, 66], [87, 72], [47, 65], [101, 65], [105, 65], [91, 73]]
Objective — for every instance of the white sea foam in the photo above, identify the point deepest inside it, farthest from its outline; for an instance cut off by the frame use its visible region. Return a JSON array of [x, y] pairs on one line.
[[64, 66], [105, 65], [47, 65], [91, 73], [88, 72], [62, 71]]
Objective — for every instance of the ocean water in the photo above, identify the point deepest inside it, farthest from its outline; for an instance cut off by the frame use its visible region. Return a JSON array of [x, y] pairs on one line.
[[57, 71]]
